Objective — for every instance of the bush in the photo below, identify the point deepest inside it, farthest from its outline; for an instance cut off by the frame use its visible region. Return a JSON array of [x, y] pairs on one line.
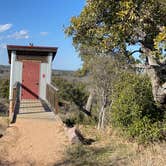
[[4, 88], [75, 94], [74, 116], [134, 110], [71, 91]]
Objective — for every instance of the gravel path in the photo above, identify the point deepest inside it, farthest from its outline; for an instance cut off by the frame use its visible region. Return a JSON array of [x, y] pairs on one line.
[[34, 142]]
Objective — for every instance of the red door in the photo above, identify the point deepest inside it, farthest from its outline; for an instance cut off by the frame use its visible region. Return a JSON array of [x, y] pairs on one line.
[[30, 80]]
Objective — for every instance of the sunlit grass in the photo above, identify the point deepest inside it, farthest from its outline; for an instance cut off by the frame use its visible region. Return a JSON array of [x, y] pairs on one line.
[[110, 148]]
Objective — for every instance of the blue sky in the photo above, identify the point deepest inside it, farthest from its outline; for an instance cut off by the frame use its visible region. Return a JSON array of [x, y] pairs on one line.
[[40, 22]]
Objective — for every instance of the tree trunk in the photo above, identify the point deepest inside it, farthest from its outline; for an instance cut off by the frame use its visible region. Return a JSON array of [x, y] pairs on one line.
[[100, 115], [90, 101], [102, 111], [103, 118], [158, 90]]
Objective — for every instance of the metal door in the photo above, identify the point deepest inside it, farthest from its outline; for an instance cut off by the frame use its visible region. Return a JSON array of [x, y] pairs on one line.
[[30, 80]]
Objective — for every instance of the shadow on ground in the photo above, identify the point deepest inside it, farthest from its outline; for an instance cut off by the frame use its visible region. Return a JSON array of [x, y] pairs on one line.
[[84, 155]]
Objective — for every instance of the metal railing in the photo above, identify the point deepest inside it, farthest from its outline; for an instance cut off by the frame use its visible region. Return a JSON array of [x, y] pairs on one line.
[[52, 97]]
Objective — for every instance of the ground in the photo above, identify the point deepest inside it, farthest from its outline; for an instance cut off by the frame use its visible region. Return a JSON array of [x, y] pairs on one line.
[[34, 142], [36, 139], [110, 149]]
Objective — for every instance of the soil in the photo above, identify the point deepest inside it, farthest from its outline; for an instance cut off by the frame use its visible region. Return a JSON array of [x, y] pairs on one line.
[[33, 142]]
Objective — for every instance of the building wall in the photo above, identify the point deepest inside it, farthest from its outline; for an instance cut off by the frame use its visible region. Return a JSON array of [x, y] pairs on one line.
[[45, 76], [15, 73]]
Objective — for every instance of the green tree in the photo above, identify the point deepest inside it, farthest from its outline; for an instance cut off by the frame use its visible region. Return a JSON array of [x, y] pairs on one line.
[[71, 91], [104, 73], [134, 110], [105, 27]]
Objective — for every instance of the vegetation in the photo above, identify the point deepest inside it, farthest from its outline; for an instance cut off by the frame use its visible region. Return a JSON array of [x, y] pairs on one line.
[[4, 88], [112, 150], [104, 74], [103, 33], [74, 92], [73, 96], [4, 96], [134, 110], [110, 27]]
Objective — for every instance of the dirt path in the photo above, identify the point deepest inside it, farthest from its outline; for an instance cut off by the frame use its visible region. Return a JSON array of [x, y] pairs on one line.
[[34, 142]]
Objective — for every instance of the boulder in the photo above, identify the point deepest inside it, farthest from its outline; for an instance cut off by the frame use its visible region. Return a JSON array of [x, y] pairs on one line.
[[74, 135]]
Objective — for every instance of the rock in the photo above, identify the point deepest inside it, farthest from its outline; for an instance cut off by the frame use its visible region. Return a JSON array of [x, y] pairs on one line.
[[74, 135]]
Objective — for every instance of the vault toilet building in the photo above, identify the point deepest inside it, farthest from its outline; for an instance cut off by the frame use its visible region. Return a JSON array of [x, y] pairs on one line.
[[30, 66]]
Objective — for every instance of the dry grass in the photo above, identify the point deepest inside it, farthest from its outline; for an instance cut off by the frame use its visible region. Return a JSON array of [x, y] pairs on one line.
[[109, 149], [4, 122], [3, 107], [154, 155]]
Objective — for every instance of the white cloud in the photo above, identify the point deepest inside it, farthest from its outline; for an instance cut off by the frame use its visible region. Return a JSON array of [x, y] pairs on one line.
[[22, 34], [43, 33], [5, 27]]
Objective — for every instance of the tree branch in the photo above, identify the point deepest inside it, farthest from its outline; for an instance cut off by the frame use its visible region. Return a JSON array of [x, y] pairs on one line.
[[136, 51]]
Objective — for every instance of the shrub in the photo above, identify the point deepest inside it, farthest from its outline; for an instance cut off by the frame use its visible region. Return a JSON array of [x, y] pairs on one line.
[[134, 110], [4, 88], [71, 91], [76, 95]]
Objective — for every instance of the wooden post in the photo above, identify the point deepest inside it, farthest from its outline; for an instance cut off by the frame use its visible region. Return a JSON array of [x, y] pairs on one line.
[[10, 110], [56, 104], [15, 99], [11, 104], [52, 97]]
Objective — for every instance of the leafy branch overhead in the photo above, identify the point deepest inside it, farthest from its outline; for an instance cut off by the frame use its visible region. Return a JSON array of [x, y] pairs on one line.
[[108, 25]]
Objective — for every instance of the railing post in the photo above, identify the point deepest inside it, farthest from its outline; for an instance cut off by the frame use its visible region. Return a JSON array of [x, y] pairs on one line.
[[56, 103], [11, 109], [52, 97], [14, 101]]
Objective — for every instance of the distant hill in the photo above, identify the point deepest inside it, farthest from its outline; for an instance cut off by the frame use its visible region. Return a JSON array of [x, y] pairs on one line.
[[68, 75]]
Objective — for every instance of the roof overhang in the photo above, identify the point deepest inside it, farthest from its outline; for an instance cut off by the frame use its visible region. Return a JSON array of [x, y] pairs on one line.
[[31, 50]]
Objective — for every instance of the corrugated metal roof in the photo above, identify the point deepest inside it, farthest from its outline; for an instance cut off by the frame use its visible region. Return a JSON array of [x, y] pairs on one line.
[[31, 49]]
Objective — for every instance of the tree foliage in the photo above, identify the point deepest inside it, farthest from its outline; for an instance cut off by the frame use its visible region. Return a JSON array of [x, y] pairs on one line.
[[106, 29], [104, 73], [134, 110], [71, 91], [109, 27], [106, 26]]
